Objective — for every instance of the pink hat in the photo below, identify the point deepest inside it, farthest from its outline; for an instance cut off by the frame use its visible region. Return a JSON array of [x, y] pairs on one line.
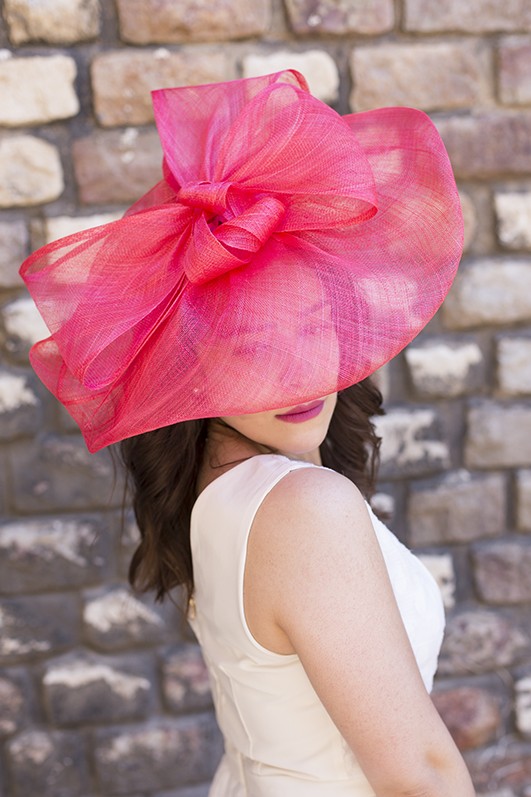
[[288, 252]]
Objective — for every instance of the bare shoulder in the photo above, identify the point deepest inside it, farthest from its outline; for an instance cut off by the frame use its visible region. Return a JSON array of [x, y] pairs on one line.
[[309, 500], [308, 532], [311, 529]]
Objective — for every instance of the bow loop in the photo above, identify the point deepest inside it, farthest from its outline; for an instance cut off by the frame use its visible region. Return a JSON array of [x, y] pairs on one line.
[[205, 195], [250, 230]]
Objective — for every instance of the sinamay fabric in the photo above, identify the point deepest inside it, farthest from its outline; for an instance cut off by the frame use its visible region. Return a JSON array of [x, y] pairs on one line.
[[287, 253], [279, 740]]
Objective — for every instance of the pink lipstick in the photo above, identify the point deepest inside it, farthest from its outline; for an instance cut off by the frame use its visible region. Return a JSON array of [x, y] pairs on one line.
[[303, 412]]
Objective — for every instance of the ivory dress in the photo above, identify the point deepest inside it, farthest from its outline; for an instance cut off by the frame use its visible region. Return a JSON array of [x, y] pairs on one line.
[[279, 739]]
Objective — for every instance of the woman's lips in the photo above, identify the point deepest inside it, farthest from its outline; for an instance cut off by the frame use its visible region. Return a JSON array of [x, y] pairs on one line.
[[303, 412]]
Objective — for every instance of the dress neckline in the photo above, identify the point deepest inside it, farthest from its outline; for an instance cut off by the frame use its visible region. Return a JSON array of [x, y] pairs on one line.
[[236, 467], [239, 465]]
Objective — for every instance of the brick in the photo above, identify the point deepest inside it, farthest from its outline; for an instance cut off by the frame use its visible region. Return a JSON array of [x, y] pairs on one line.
[[116, 167], [37, 90], [200, 790], [522, 688], [498, 793], [513, 217], [52, 553], [185, 681], [90, 690], [488, 143], [514, 78], [488, 292], [445, 367], [24, 327], [57, 472], [37, 626], [382, 380], [116, 619], [66, 423], [384, 506], [479, 641], [429, 75], [472, 715], [122, 80], [13, 249], [3, 780], [483, 242], [457, 507], [52, 21], [193, 791], [4, 486], [347, 16], [523, 497], [441, 566], [499, 435], [317, 66], [502, 766], [48, 764], [51, 229], [474, 16], [129, 541], [502, 571], [514, 365], [411, 442], [156, 757], [30, 172], [20, 406], [470, 219], [165, 21], [12, 706]]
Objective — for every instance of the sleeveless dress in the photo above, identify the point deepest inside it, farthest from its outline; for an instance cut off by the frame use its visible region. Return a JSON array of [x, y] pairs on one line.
[[279, 739]]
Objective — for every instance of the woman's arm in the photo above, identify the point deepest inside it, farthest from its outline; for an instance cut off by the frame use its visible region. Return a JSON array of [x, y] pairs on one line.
[[315, 562]]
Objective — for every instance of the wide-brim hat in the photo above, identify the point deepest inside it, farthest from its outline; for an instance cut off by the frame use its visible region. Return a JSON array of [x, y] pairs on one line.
[[288, 252]]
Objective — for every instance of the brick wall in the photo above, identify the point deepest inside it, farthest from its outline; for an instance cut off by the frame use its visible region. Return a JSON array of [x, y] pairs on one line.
[[101, 692]]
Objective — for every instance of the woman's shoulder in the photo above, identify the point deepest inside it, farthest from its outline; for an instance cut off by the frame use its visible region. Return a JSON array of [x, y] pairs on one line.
[[310, 495], [309, 523], [308, 483]]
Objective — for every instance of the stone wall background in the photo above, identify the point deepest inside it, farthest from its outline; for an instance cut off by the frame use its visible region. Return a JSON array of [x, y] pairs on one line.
[[101, 691]]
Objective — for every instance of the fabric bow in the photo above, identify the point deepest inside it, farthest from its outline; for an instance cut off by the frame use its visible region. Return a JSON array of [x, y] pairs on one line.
[[266, 160]]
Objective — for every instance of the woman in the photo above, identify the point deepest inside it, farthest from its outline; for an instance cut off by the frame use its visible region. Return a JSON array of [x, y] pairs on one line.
[[224, 330]]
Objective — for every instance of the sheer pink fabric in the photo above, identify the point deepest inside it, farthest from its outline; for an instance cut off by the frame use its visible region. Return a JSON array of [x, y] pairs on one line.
[[287, 252]]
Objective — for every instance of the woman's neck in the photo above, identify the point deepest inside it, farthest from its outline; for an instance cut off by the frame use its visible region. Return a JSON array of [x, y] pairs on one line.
[[226, 445]]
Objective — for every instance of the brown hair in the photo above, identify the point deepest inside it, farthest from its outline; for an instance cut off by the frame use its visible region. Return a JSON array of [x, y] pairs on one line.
[[162, 469]]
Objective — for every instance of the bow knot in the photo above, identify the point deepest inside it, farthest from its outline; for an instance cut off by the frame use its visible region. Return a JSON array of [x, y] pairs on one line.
[[212, 253], [205, 195]]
